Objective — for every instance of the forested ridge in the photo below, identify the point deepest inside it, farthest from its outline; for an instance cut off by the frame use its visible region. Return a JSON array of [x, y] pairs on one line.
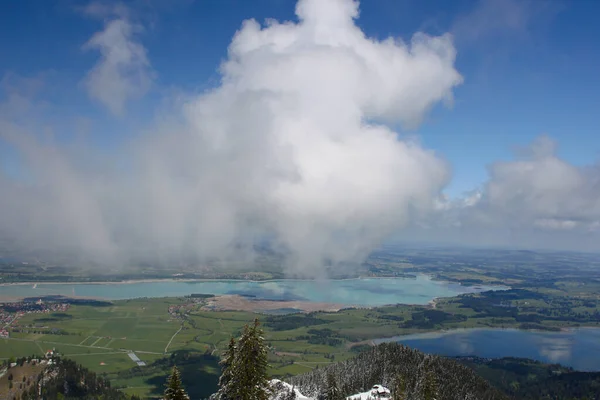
[[409, 373], [525, 379], [66, 379]]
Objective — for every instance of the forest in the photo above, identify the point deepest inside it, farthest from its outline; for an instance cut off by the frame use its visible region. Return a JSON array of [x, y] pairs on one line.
[[407, 371]]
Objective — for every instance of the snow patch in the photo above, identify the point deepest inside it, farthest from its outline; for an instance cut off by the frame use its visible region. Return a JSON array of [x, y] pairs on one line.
[[282, 389]]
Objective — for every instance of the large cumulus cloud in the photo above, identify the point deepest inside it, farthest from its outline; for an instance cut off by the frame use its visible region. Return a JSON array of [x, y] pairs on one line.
[[292, 145]]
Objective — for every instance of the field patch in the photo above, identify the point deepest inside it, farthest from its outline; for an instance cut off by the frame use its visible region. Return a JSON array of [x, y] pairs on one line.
[[117, 327], [104, 362], [16, 348]]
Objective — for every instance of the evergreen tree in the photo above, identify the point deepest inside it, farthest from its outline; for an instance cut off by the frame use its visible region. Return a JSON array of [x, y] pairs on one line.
[[400, 387], [226, 388], [250, 365], [174, 389], [429, 390], [333, 391]]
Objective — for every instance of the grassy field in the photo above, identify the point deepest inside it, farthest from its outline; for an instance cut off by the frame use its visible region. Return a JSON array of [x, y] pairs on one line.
[[100, 338]]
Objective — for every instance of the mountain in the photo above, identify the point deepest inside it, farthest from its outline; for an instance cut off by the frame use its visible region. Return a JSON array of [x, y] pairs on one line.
[[414, 374], [525, 379], [56, 378]]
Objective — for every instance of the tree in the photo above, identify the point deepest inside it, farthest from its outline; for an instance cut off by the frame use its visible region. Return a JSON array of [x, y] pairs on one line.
[[245, 365], [332, 391], [429, 389], [400, 388], [250, 365], [174, 389], [226, 388]]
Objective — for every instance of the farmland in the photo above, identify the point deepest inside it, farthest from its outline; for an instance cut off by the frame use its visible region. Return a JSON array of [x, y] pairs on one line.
[[165, 331], [156, 330]]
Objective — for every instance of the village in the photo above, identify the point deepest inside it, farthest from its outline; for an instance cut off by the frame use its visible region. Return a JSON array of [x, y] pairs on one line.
[[11, 312]]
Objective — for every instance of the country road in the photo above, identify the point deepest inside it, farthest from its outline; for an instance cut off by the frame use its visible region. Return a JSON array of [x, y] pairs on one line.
[[173, 337]]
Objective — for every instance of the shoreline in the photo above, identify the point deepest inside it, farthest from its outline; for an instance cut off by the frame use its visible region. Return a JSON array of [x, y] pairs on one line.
[[338, 306], [159, 280], [437, 333]]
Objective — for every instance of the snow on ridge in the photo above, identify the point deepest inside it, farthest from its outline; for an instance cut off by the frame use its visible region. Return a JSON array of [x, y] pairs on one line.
[[282, 388], [277, 384]]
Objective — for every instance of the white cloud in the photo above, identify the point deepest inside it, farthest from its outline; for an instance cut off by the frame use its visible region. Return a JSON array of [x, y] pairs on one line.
[[123, 71], [540, 187], [491, 19], [536, 200], [287, 146]]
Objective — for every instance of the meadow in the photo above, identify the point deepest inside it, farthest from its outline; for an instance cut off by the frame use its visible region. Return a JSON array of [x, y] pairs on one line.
[[102, 337]]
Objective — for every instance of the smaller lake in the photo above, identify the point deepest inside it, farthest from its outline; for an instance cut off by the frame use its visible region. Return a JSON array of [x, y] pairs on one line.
[[576, 348], [359, 292]]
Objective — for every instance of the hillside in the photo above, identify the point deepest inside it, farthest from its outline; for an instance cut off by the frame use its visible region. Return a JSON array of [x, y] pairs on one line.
[[55, 379], [398, 367], [526, 379]]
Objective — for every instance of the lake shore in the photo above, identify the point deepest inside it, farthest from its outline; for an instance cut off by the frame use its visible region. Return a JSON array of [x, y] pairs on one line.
[[576, 347], [158, 280]]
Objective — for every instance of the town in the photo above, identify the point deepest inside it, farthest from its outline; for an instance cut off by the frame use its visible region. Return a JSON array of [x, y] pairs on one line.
[[11, 312]]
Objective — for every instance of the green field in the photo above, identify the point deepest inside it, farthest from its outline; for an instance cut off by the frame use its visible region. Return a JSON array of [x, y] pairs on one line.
[[100, 338]]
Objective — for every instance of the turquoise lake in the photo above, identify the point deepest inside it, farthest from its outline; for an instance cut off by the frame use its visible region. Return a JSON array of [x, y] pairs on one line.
[[358, 292], [576, 348]]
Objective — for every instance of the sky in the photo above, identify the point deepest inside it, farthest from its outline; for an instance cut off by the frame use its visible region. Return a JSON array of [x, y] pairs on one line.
[[168, 128]]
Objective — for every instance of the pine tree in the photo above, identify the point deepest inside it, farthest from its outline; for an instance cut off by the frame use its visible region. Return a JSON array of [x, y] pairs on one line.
[[400, 388], [429, 390], [250, 365], [333, 391], [226, 388], [174, 389]]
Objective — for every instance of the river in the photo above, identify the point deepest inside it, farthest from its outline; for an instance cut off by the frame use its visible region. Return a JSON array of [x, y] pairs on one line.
[[576, 348]]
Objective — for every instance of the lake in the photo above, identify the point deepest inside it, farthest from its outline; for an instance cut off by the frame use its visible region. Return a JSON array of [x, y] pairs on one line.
[[358, 292], [576, 348]]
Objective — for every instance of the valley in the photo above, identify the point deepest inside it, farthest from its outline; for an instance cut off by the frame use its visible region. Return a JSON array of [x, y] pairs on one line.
[[308, 325]]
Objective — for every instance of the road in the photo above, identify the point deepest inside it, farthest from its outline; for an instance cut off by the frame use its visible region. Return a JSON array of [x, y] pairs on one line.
[[173, 337]]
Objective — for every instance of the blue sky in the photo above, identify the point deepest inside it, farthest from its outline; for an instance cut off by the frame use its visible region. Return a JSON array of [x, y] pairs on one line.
[[172, 125], [538, 75]]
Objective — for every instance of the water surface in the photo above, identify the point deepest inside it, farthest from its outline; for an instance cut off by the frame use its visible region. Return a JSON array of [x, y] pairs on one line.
[[576, 348], [359, 292]]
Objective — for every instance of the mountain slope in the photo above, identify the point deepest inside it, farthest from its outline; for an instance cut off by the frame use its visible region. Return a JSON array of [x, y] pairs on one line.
[[392, 364], [527, 379]]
